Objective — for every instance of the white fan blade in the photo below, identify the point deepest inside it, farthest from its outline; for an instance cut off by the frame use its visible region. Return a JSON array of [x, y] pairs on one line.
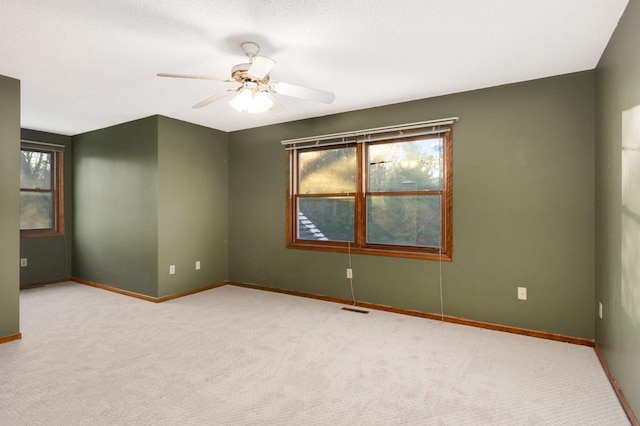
[[277, 107], [261, 66], [303, 92], [196, 77], [213, 98]]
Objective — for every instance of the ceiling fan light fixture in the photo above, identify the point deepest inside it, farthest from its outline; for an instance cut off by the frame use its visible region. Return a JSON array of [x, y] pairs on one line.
[[255, 91], [251, 100]]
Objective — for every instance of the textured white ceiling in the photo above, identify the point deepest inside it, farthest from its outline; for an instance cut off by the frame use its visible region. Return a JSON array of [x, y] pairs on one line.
[[88, 64]]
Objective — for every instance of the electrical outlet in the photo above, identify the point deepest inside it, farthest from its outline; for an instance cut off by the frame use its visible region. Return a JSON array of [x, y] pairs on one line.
[[197, 265], [349, 273], [172, 269], [522, 293], [23, 262], [600, 309]]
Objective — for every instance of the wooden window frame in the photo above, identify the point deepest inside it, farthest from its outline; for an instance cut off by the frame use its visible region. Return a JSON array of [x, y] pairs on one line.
[[359, 245], [57, 197]]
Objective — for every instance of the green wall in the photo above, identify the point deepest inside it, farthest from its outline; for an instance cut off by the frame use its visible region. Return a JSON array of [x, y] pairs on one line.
[[149, 194], [192, 206], [617, 276], [10, 206], [49, 258], [115, 206], [523, 209]]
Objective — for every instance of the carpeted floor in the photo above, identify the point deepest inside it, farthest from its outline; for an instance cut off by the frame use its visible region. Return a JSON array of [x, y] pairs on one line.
[[236, 356]]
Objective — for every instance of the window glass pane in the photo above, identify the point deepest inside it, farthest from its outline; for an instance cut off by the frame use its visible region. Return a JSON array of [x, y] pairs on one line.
[[36, 210], [326, 218], [328, 171], [406, 166], [407, 220], [35, 170]]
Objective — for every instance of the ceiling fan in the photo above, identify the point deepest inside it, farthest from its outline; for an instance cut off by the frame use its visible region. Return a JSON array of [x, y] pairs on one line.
[[254, 89]]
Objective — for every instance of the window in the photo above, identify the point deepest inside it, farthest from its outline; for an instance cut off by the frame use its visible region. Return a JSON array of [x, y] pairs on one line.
[[383, 192], [41, 200]]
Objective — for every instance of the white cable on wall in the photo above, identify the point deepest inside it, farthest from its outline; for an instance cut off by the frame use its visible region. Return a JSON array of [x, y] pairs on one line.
[[353, 296], [444, 230], [441, 298]]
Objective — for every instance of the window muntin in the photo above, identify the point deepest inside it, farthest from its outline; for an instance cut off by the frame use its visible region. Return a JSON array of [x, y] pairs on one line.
[[40, 193], [327, 182], [400, 205]]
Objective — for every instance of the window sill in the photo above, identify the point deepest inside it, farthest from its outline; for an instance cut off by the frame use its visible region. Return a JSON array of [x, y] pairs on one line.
[[411, 254], [40, 234]]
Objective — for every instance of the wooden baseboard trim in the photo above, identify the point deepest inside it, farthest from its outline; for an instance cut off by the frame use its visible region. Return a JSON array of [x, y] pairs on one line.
[[366, 305], [114, 289], [144, 296], [616, 387], [10, 338], [43, 283], [187, 293], [445, 318]]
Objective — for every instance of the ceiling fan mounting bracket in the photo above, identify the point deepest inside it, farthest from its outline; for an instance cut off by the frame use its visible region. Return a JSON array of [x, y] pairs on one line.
[[250, 49], [240, 72]]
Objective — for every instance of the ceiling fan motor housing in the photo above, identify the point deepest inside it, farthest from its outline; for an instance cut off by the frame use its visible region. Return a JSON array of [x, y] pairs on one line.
[[240, 73]]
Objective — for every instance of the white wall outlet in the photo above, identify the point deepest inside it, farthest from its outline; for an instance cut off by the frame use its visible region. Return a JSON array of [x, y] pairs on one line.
[[172, 269], [197, 265], [23, 262], [522, 293], [600, 310], [349, 273]]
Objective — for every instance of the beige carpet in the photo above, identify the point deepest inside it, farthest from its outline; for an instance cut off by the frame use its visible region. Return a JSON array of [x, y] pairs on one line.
[[235, 356]]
